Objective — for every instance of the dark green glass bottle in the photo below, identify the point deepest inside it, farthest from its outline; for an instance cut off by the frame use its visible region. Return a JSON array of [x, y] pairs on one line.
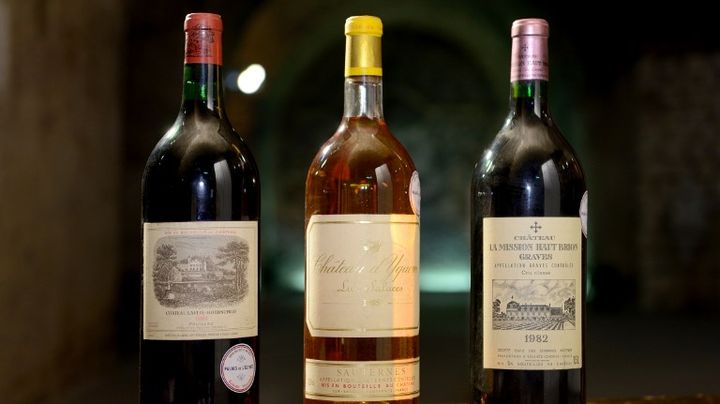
[[201, 207], [528, 247]]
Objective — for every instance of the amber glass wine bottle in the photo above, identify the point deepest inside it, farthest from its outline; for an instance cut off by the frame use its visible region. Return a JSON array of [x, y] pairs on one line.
[[201, 206], [362, 209], [529, 232]]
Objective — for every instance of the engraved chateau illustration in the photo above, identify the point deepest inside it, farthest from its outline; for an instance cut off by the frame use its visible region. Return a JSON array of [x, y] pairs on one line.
[[533, 305], [212, 273]]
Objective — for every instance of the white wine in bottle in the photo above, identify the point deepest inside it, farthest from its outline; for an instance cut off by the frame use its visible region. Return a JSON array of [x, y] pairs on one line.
[[362, 210]]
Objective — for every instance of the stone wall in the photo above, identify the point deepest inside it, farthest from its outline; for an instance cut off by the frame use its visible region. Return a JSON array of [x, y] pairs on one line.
[[678, 152], [60, 131]]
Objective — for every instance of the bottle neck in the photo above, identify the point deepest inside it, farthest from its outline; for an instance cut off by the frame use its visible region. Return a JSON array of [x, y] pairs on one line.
[[202, 74], [529, 75], [202, 88], [363, 97], [529, 97]]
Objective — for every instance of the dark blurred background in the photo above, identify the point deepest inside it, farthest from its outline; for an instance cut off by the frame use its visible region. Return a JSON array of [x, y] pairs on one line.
[[87, 87]]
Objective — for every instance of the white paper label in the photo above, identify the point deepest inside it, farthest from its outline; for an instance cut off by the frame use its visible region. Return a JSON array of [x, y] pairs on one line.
[[532, 293], [237, 368], [362, 381], [414, 192], [362, 275], [200, 280], [584, 213]]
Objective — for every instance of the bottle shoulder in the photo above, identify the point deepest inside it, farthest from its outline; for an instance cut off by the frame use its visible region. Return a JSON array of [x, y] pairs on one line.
[[528, 170], [200, 172], [192, 143], [361, 169], [358, 149], [527, 145]]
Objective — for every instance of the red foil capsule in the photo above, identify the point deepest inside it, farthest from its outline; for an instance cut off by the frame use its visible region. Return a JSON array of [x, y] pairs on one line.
[[203, 38]]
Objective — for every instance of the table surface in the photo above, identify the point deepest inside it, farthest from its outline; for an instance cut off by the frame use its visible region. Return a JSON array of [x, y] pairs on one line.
[[624, 360], [696, 399]]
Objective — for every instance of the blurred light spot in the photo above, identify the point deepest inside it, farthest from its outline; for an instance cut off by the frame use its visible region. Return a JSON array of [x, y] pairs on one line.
[[296, 280], [449, 279], [250, 79]]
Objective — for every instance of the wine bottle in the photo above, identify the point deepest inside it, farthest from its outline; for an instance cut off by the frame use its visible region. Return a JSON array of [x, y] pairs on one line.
[[362, 209], [200, 208], [529, 232]]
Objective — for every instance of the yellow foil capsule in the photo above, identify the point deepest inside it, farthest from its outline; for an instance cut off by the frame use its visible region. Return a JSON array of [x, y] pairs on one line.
[[362, 46]]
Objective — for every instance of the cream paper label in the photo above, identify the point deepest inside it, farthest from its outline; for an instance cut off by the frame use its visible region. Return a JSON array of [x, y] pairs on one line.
[[362, 276], [362, 381], [200, 280], [532, 293]]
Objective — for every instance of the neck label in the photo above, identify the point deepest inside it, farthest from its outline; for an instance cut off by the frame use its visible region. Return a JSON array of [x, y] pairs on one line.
[[529, 59], [204, 46]]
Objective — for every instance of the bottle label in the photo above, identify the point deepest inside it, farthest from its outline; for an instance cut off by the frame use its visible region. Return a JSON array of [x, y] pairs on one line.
[[529, 59], [200, 280], [532, 293], [237, 368], [362, 276], [584, 213], [414, 192], [203, 45], [362, 381]]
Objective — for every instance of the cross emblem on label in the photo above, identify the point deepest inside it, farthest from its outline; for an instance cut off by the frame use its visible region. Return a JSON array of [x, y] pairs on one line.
[[536, 227]]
